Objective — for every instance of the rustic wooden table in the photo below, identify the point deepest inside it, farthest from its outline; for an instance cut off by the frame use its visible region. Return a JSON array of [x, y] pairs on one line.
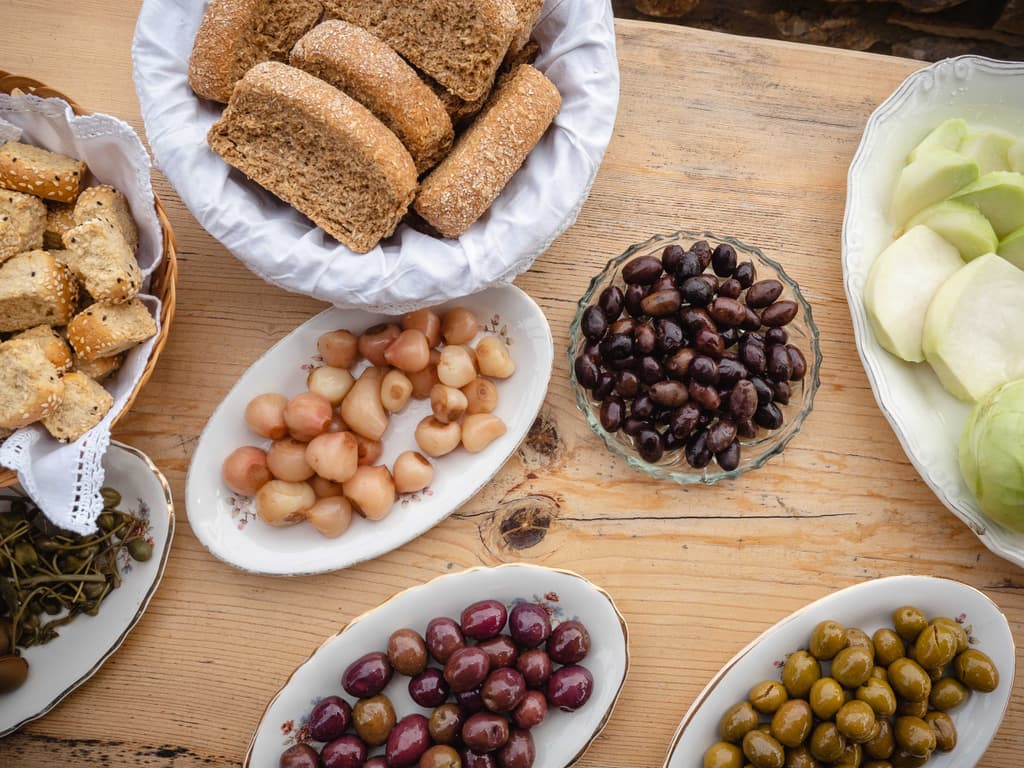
[[739, 136]]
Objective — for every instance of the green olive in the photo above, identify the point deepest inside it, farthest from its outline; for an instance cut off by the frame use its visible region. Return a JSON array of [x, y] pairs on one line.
[[935, 646], [859, 638], [888, 647], [882, 745], [948, 693], [826, 697], [799, 673], [800, 757], [909, 680], [903, 759], [880, 673], [737, 720], [908, 622], [792, 722], [958, 629], [827, 742], [762, 750], [914, 736], [13, 671], [852, 755], [768, 696], [976, 670], [856, 721], [945, 731], [373, 719], [827, 639], [722, 755], [913, 708], [852, 666], [876, 764], [879, 695]]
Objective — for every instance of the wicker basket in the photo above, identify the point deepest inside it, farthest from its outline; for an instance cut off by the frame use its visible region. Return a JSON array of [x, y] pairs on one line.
[[163, 279]]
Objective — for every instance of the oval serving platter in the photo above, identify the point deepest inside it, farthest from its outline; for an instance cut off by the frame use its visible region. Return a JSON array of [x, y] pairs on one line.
[[226, 524], [926, 419], [868, 606], [560, 740], [54, 670]]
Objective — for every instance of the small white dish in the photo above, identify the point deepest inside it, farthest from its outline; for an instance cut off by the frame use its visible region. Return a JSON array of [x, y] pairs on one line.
[[926, 419], [868, 606], [60, 666], [560, 740], [409, 269], [226, 524]]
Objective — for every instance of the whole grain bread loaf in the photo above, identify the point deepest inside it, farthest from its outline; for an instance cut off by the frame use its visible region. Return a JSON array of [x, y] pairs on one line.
[[459, 43], [527, 13], [354, 61], [37, 171], [30, 387], [35, 289], [488, 154], [236, 34], [84, 404], [318, 150]]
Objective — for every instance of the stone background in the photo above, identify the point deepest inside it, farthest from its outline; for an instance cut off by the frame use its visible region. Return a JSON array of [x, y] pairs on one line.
[[919, 29]]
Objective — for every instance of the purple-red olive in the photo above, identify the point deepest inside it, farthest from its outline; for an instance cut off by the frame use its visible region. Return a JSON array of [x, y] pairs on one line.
[[429, 688], [501, 650], [529, 624], [466, 669], [484, 619], [367, 676], [535, 667], [470, 701], [345, 752], [569, 688], [330, 718], [503, 690], [518, 751], [485, 732], [443, 638], [531, 711], [408, 740], [471, 759], [569, 643], [299, 756]]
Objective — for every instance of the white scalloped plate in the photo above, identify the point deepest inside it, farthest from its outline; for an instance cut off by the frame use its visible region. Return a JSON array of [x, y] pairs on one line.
[[868, 606], [560, 740], [926, 419], [59, 667], [226, 524]]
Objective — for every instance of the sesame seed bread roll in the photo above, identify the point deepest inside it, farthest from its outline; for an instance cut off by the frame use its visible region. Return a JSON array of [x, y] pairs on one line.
[[236, 34], [39, 172], [102, 260], [105, 202], [35, 289], [98, 369], [349, 173], [488, 154], [30, 387], [354, 61], [54, 346], [22, 223], [459, 43], [105, 330], [60, 217], [84, 404]]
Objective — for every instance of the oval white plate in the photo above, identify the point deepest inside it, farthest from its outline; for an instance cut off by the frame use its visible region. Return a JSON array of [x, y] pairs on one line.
[[63, 664], [560, 740], [926, 419], [408, 269], [868, 606], [226, 524]]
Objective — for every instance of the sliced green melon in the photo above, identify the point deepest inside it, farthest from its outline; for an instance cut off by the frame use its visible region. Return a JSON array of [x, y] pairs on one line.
[[1016, 156], [900, 286], [931, 178], [1011, 248], [974, 328], [947, 135], [960, 224], [989, 148], [999, 195]]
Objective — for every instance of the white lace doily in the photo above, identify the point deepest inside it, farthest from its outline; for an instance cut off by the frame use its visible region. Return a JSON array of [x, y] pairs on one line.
[[409, 269], [65, 480]]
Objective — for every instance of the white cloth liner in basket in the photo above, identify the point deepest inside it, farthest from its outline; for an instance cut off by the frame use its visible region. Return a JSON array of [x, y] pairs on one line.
[[410, 269], [65, 480]]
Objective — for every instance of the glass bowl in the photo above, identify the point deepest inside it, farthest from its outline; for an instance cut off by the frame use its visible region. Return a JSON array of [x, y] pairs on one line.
[[754, 452]]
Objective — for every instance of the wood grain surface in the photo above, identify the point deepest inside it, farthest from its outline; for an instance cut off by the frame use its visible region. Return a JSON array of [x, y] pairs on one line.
[[738, 136]]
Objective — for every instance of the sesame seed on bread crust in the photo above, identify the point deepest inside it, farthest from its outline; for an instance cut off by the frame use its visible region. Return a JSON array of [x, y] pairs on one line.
[[54, 346], [35, 289], [22, 223], [488, 154], [83, 406], [349, 174], [30, 386], [104, 330], [234, 35], [39, 172], [367, 69], [105, 202], [459, 43]]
